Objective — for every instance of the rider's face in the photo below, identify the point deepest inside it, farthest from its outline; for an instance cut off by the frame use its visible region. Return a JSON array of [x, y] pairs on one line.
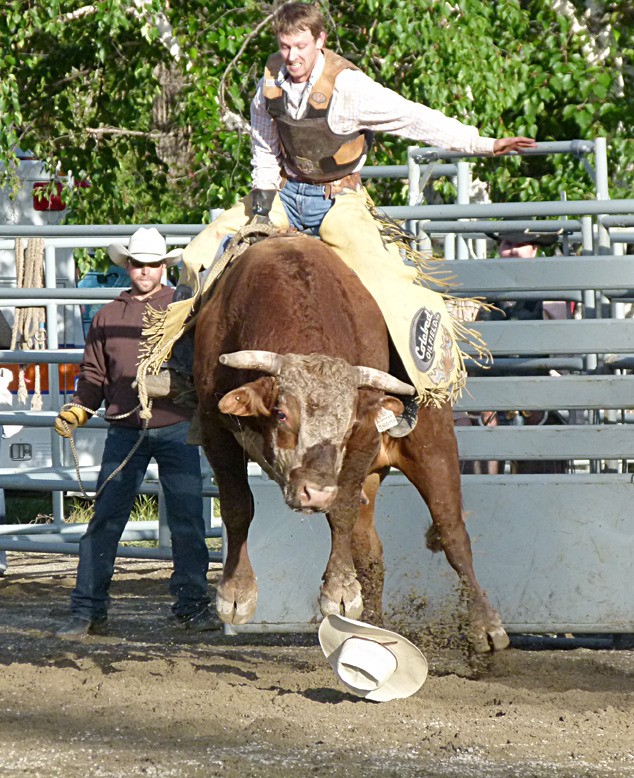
[[300, 51]]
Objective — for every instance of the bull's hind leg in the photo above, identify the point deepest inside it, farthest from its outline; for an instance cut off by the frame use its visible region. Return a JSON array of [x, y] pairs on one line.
[[237, 593], [428, 457]]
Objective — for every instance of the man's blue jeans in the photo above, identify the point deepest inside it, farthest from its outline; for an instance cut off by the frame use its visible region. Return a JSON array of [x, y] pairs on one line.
[[180, 479], [305, 205]]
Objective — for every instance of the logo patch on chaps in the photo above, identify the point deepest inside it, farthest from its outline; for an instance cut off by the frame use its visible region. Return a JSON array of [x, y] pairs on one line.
[[317, 97], [423, 332]]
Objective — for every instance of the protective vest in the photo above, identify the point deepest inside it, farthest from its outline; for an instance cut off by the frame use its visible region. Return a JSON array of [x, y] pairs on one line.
[[310, 146]]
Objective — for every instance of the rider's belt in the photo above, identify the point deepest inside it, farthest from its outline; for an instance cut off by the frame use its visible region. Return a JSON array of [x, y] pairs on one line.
[[333, 188]]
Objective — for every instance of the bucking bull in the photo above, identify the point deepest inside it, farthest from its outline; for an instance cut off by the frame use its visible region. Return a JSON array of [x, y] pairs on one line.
[[290, 367]]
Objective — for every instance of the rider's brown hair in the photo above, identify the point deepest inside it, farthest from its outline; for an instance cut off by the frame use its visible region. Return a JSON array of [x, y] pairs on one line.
[[293, 18]]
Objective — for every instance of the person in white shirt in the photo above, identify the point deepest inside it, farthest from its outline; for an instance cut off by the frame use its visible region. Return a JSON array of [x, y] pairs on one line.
[[313, 117]]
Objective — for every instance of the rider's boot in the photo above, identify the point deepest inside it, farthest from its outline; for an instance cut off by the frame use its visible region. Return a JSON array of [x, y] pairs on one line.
[[407, 420]]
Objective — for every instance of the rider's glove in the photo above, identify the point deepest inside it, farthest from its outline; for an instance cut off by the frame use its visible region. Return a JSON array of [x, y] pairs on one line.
[[261, 203], [69, 419]]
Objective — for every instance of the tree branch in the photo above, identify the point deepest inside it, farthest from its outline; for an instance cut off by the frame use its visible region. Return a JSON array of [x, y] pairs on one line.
[[596, 48], [138, 9], [164, 28], [232, 120], [79, 12], [100, 132]]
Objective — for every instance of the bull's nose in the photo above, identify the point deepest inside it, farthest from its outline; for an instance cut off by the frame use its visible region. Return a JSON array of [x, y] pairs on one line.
[[316, 497]]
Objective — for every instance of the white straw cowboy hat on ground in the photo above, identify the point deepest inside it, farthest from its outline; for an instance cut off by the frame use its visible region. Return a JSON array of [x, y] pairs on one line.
[[146, 245], [372, 662]]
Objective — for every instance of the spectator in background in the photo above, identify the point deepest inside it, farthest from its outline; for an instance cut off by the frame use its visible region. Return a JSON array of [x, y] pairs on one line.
[[106, 375], [520, 245], [526, 245]]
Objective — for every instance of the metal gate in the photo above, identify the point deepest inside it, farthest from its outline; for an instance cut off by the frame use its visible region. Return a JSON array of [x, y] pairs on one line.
[[553, 551]]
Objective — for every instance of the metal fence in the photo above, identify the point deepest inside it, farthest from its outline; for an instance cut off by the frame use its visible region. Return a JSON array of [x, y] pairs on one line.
[[593, 228]]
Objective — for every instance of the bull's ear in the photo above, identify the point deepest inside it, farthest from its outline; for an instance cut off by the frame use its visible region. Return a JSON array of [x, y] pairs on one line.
[[392, 404], [253, 399], [370, 402]]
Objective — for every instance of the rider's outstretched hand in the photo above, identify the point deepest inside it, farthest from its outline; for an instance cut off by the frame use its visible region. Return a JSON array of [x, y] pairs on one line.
[[518, 144]]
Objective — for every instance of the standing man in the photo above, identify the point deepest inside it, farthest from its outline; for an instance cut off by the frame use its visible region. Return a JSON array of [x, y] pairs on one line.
[[313, 118], [106, 375]]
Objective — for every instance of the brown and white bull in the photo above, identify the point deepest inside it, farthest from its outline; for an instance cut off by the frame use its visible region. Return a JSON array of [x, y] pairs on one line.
[[290, 367]]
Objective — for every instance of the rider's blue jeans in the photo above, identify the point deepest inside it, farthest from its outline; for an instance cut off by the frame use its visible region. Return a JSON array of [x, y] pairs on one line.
[[180, 478], [305, 205]]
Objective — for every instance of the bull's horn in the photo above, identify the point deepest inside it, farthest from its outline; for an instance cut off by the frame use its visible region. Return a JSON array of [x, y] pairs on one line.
[[267, 361], [377, 379]]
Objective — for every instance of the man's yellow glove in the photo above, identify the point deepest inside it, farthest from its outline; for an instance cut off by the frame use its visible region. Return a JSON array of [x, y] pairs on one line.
[[74, 417]]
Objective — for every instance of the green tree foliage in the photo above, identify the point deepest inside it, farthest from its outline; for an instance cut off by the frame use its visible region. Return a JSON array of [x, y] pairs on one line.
[[82, 86]]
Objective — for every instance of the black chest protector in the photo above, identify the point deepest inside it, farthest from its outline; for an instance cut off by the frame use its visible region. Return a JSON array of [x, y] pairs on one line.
[[308, 144]]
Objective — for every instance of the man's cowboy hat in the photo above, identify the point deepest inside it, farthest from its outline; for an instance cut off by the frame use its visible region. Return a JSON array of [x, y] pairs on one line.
[[527, 236], [372, 662], [146, 245]]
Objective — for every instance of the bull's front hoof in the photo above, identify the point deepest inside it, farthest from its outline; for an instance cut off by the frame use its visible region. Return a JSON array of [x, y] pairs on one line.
[[236, 604], [341, 596], [484, 640]]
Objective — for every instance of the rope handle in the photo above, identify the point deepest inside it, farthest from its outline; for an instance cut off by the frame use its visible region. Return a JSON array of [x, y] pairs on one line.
[[98, 413], [73, 449]]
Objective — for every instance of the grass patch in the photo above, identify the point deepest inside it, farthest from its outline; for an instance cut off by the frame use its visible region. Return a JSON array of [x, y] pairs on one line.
[[78, 510], [28, 507], [37, 508]]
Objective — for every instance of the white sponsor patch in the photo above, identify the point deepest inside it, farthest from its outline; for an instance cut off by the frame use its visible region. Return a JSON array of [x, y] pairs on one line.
[[385, 420]]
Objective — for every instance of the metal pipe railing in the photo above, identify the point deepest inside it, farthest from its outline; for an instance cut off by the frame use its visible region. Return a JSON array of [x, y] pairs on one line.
[[129, 552], [510, 210], [74, 296], [575, 147], [455, 221], [482, 227], [402, 171]]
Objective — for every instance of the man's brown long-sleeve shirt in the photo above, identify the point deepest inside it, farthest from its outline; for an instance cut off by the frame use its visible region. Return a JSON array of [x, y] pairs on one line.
[[110, 362]]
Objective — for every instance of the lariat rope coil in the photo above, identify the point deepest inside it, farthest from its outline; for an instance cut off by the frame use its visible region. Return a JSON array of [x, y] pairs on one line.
[[29, 324], [73, 449]]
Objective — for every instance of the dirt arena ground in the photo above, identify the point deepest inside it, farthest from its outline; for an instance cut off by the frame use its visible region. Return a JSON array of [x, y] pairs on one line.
[[151, 700]]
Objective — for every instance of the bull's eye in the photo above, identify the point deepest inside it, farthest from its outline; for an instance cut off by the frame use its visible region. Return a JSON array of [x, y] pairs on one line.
[[279, 415]]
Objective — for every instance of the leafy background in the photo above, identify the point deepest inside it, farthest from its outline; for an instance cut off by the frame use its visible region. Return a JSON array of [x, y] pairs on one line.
[[126, 92]]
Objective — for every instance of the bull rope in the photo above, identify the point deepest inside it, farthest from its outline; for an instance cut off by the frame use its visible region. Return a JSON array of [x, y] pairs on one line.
[[29, 324], [152, 358]]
